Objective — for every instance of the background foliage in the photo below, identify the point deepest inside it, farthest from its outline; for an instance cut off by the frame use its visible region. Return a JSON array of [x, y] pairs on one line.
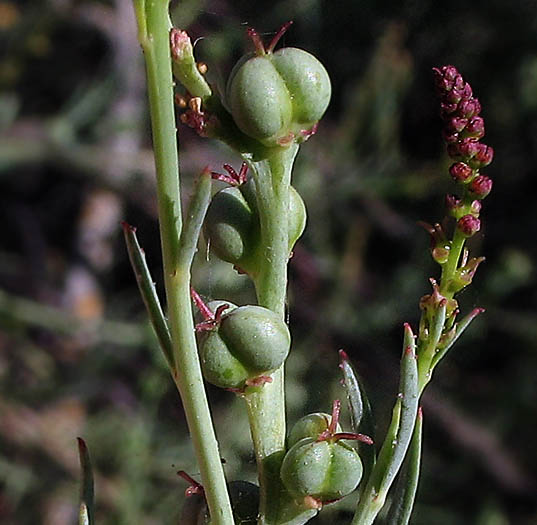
[[76, 354]]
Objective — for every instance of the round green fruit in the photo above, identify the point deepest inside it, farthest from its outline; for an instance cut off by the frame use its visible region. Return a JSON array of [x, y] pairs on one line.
[[273, 97], [248, 342], [324, 470]]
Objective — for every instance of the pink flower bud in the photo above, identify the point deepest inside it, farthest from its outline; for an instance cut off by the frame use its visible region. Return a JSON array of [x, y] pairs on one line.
[[449, 72], [466, 91], [469, 108], [483, 157], [475, 208], [456, 124], [468, 225], [475, 128], [453, 96], [461, 172], [445, 77], [468, 148], [481, 186]]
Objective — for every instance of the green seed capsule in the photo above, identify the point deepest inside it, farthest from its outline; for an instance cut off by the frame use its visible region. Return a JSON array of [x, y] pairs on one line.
[[324, 470], [273, 97], [310, 426], [248, 342], [229, 226]]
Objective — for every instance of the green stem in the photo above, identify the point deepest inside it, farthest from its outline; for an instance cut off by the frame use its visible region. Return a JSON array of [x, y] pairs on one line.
[[154, 26], [428, 351], [449, 269], [273, 178], [266, 406]]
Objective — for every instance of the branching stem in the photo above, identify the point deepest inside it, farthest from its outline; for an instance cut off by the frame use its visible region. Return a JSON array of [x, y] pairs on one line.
[[154, 27]]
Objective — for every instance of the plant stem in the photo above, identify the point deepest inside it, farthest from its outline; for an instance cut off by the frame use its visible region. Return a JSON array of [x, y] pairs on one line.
[[449, 269], [266, 406], [154, 26]]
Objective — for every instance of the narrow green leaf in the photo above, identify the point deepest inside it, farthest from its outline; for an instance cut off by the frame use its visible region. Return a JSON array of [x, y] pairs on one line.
[[148, 292], [397, 440], [361, 414], [85, 516], [460, 327], [407, 482], [197, 210]]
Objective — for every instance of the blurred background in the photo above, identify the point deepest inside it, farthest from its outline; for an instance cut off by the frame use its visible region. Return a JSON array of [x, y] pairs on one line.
[[77, 357]]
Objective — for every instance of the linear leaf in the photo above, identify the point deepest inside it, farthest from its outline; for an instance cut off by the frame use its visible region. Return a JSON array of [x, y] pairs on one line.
[[86, 509], [148, 292], [361, 414], [407, 482], [397, 440], [195, 216]]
